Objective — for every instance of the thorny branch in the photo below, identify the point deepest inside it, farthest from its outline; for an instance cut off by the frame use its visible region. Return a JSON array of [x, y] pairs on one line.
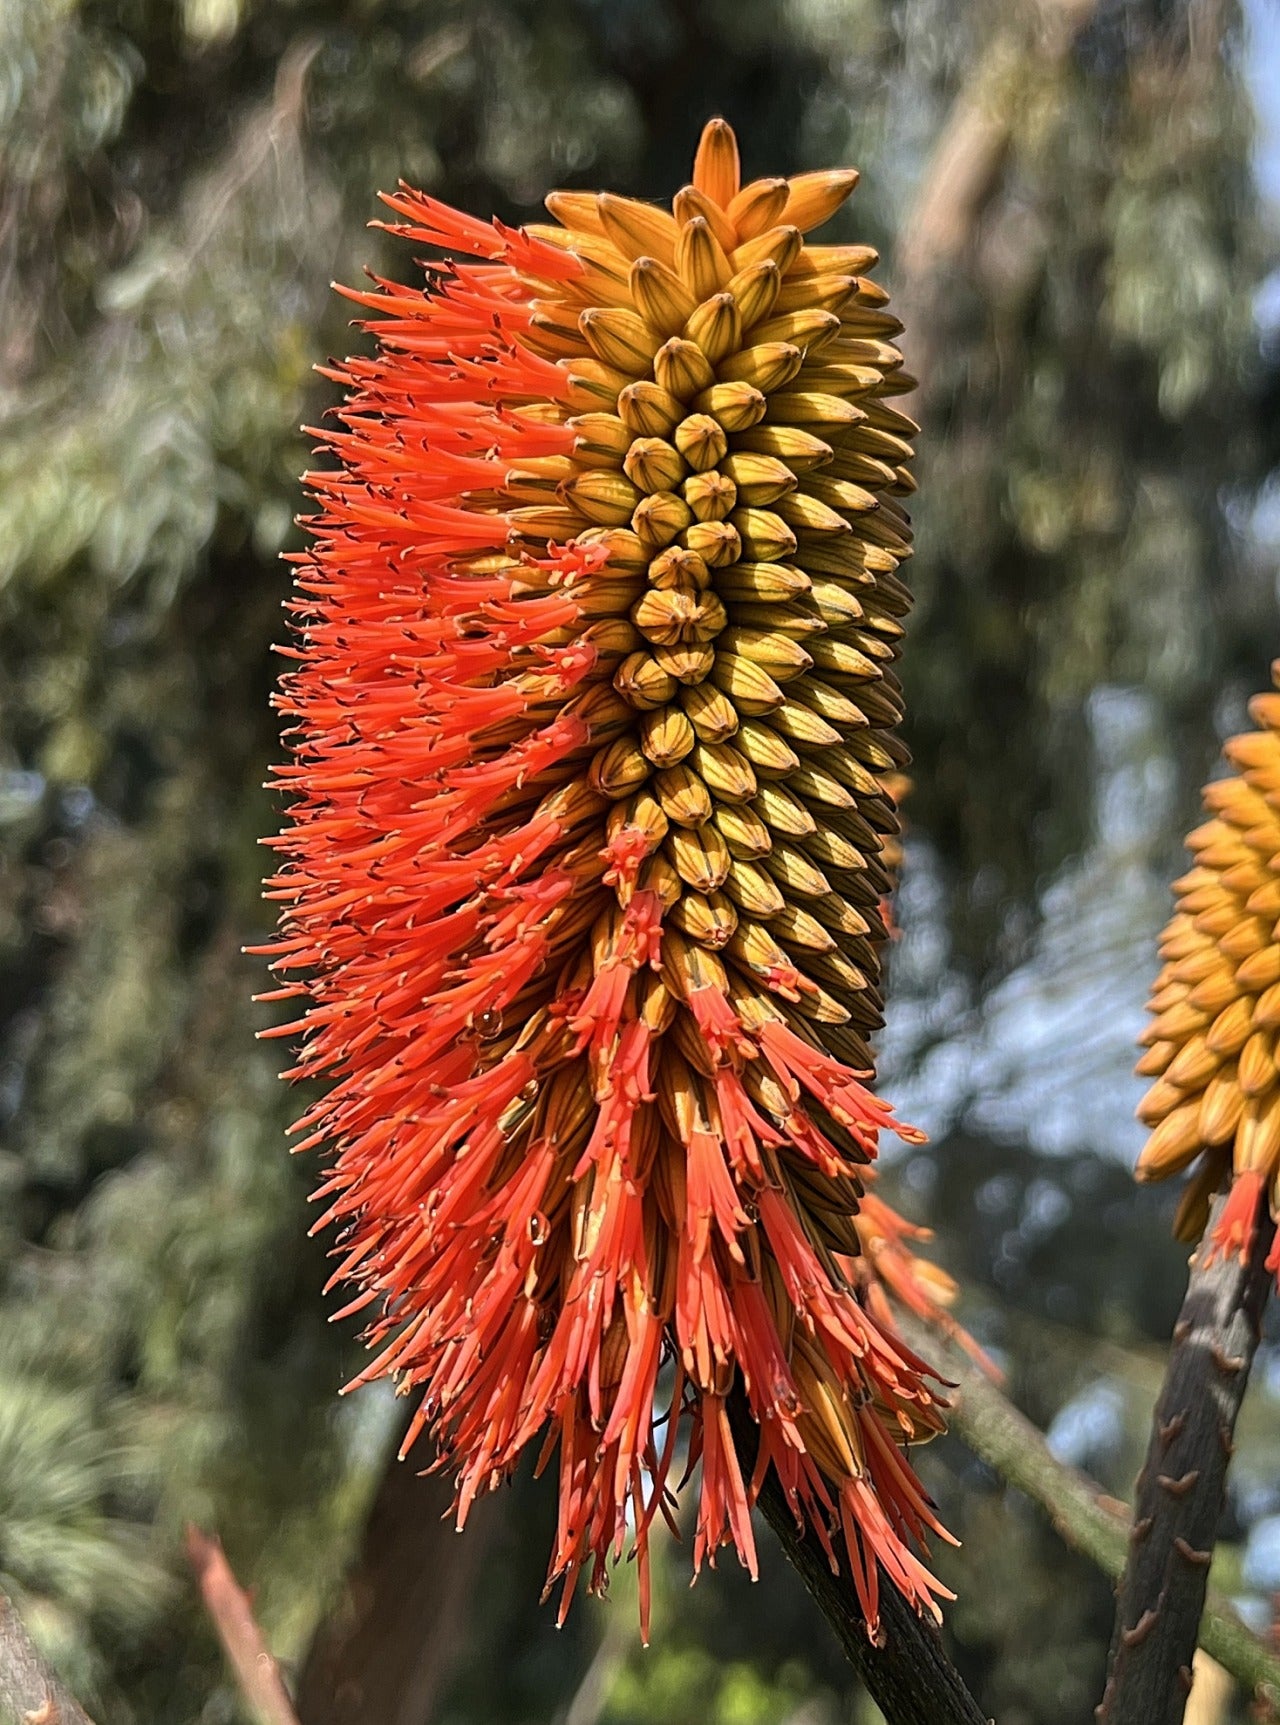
[[31, 1693], [909, 1676], [256, 1672], [1182, 1485], [1081, 1513]]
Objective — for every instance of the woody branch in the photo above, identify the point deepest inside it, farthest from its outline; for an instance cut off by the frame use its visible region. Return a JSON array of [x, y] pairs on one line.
[[31, 1692], [1183, 1485]]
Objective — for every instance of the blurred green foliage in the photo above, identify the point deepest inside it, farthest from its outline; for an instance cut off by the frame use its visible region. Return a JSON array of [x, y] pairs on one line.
[[179, 183]]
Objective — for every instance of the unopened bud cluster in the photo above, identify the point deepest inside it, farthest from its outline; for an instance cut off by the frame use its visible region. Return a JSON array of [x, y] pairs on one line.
[[739, 463], [1212, 1044]]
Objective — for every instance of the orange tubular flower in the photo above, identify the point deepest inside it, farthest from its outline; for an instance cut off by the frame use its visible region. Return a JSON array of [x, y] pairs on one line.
[[592, 692], [1212, 1045]]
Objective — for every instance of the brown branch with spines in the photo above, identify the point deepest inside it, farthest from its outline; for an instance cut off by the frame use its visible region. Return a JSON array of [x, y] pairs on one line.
[[31, 1692], [1182, 1486], [256, 1672], [1080, 1512]]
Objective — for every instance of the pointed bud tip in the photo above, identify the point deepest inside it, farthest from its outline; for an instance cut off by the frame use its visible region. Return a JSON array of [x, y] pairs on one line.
[[716, 168]]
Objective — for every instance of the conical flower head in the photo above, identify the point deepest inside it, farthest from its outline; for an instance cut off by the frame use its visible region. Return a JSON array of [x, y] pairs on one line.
[[1211, 1047], [590, 716]]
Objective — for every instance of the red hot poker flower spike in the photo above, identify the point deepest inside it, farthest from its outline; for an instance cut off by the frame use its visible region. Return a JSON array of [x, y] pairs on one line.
[[591, 690], [1212, 1044]]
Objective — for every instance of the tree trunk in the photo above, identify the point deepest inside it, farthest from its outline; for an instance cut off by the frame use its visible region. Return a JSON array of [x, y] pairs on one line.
[[385, 1651]]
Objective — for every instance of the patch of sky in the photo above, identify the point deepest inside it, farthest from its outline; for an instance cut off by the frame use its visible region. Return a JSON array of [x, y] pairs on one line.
[[1091, 1425], [1047, 1057], [1262, 1556]]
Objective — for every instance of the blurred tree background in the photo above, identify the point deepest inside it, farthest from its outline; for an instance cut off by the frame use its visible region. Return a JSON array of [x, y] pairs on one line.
[[1071, 197]]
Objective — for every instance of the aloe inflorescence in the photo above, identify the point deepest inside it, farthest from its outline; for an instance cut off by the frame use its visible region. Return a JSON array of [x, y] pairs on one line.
[[1211, 1047], [591, 715]]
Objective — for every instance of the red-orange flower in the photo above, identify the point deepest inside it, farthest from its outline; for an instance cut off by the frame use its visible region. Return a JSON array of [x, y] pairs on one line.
[[589, 723]]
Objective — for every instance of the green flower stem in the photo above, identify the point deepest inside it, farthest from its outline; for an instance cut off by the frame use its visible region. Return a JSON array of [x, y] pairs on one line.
[[1082, 1514]]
